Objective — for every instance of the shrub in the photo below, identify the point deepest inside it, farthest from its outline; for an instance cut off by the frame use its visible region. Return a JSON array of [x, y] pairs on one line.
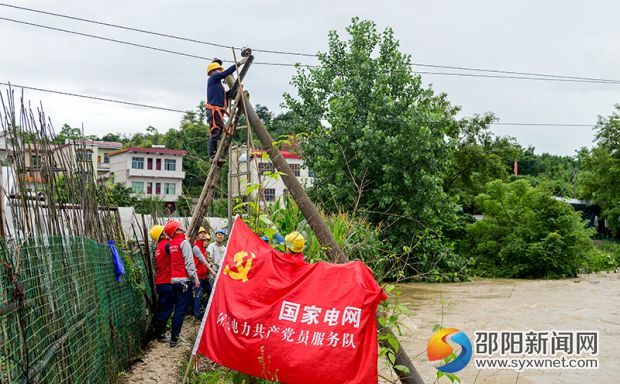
[[526, 233], [605, 256]]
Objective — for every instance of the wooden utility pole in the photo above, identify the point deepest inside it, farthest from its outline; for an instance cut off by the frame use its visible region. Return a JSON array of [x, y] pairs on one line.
[[322, 232], [309, 210]]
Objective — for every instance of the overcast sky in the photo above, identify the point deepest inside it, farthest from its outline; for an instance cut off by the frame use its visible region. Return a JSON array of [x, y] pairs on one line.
[[575, 38]]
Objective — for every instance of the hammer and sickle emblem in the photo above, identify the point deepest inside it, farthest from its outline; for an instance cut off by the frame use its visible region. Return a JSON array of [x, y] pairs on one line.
[[242, 269]]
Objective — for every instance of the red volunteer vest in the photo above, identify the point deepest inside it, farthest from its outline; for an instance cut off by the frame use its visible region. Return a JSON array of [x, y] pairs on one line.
[[177, 263], [201, 269], [162, 263]]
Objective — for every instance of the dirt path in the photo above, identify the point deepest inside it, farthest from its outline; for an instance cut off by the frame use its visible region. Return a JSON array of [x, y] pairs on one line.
[[160, 363]]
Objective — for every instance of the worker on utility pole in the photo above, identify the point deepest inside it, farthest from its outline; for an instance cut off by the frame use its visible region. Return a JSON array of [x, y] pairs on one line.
[[216, 100], [202, 270], [182, 276], [165, 296]]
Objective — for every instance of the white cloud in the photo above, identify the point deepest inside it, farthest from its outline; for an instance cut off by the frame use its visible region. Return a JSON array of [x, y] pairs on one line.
[[572, 38]]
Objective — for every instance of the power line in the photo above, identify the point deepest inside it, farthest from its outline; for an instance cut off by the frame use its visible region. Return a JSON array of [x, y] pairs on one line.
[[94, 98], [130, 43], [516, 77], [176, 37], [150, 47], [116, 101], [462, 68], [473, 69]]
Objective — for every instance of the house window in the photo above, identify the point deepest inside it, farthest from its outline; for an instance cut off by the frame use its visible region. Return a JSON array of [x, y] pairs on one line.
[[35, 161], [137, 186], [149, 163], [296, 169], [265, 167], [106, 158], [158, 188], [311, 173], [170, 164], [270, 194], [84, 155], [158, 164], [149, 188], [137, 162], [98, 159], [170, 189]]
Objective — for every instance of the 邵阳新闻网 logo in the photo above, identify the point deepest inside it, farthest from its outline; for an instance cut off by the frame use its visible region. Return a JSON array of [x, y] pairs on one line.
[[438, 349]]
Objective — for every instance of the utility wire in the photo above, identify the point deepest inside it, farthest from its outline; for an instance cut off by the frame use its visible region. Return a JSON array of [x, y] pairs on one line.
[[181, 111], [152, 32], [130, 43], [94, 98], [461, 68], [150, 47]]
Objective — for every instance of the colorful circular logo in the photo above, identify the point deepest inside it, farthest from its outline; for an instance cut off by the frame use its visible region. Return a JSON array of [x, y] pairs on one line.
[[438, 349]]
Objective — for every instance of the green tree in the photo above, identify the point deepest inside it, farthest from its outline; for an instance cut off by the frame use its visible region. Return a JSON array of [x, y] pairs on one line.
[[377, 139], [119, 195], [600, 169], [68, 133], [479, 157], [526, 233]]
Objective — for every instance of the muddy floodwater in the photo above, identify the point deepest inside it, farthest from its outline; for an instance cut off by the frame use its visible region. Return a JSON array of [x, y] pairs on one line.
[[590, 302]]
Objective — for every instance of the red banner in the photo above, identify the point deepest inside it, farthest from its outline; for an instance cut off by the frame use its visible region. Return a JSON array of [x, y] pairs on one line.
[[272, 315]]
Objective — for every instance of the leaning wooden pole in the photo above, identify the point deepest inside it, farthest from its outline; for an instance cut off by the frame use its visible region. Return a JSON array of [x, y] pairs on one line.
[[322, 232]]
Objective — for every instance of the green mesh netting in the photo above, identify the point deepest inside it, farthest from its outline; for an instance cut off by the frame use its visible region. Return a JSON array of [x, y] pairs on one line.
[[63, 316]]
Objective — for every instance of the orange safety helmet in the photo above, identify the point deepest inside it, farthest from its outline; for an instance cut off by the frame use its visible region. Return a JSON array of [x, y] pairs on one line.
[[171, 227]]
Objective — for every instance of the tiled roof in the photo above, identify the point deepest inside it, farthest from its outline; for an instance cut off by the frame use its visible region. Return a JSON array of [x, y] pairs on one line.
[[159, 151], [104, 144]]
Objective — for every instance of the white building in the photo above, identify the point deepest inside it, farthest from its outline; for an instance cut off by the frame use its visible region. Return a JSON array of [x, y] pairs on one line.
[[96, 152], [151, 172], [259, 164]]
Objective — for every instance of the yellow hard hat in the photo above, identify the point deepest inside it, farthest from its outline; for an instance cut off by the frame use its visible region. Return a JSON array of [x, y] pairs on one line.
[[295, 241], [202, 229], [214, 66], [156, 232]]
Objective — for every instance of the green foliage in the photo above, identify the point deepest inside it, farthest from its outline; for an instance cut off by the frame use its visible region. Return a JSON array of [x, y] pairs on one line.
[[119, 195], [391, 311], [526, 233], [600, 169], [377, 140], [150, 205], [479, 157], [555, 173], [605, 256], [358, 239], [68, 133]]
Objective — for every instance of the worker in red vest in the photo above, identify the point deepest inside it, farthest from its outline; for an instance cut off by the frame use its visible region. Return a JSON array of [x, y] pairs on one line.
[[165, 296], [182, 276], [216, 100], [202, 293]]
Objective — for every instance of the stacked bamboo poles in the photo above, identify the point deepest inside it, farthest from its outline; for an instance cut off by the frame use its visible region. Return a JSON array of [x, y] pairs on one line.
[[63, 316]]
